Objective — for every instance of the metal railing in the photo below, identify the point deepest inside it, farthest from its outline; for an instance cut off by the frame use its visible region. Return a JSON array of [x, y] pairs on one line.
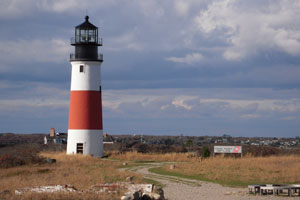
[[86, 40], [74, 57]]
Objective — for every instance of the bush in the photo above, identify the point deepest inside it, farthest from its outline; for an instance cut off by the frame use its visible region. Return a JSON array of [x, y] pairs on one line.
[[205, 152], [20, 157], [142, 148]]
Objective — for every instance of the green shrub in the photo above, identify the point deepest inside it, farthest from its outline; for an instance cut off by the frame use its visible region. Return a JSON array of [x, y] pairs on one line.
[[205, 152]]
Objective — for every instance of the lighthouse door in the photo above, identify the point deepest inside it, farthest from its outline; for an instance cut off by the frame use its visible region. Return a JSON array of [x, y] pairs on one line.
[[79, 148]]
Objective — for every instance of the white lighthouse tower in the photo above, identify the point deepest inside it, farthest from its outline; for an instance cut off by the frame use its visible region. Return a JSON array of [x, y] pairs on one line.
[[85, 132]]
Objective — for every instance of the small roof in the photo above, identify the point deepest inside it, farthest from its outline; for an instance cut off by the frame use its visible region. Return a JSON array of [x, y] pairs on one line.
[[86, 24]]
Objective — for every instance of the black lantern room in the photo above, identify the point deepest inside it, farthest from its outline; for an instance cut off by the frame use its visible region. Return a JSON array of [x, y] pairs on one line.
[[86, 42]]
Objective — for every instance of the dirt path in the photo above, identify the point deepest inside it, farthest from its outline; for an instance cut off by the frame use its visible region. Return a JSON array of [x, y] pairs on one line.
[[183, 189]]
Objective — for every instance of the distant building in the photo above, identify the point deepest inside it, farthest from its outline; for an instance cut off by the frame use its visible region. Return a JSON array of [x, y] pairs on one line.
[[52, 132], [55, 138]]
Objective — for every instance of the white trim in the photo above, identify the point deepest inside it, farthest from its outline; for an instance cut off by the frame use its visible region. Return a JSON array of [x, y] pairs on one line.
[[89, 79], [92, 141]]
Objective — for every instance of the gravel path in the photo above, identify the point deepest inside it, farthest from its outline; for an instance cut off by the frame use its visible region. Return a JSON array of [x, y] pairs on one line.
[[186, 189]]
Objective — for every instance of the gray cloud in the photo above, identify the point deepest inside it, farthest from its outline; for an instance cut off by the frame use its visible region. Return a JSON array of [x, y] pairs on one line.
[[190, 66]]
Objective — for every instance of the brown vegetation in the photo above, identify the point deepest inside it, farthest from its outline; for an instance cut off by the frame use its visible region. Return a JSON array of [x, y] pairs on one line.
[[169, 157], [77, 170], [19, 156], [62, 196], [244, 171], [226, 170], [8, 139]]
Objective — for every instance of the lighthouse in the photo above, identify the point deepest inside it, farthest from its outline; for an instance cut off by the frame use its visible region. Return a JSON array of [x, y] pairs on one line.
[[85, 132]]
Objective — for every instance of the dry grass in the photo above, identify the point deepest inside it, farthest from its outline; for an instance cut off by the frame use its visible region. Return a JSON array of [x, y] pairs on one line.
[[166, 157], [63, 196], [241, 172], [77, 170], [227, 171]]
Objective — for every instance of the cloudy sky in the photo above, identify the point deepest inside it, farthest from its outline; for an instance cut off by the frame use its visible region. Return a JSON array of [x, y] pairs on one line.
[[191, 67]]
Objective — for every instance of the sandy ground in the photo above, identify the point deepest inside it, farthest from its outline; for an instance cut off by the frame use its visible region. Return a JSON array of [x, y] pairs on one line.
[[186, 189]]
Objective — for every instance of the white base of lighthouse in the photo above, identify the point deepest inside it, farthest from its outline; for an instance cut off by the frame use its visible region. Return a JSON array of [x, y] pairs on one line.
[[86, 142]]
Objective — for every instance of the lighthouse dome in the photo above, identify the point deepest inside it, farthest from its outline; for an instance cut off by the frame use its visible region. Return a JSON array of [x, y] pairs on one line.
[[86, 24], [86, 33], [86, 42]]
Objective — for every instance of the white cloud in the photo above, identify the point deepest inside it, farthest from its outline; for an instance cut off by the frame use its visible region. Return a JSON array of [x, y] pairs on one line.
[[61, 6], [289, 118], [128, 40], [194, 103], [153, 9], [210, 19], [164, 107], [180, 103], [250, 116], [247, 27], [19, 104], [53, 50], [157, 104], [182, 7], [267, 25], [15, 8], [19, 8], [290, 105], [187, 59], [31, 98]]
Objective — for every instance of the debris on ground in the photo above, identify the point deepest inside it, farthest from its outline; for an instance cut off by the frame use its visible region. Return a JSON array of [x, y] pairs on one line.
[[172, 166], [133, 191], [4, 194], [50, 160], [48, 189], [129, 179], [275, 189]]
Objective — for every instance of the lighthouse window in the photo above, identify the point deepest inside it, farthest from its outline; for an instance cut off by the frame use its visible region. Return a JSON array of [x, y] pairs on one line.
[[81, 68], [91, 37], [79, 148]]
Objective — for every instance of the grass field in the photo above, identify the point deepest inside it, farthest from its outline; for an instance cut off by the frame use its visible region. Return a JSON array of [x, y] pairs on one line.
[[84, 171], [77, 170], [228, 171]]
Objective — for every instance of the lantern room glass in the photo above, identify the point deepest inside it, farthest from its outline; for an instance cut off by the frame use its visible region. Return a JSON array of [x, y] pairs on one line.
[[86, 35]]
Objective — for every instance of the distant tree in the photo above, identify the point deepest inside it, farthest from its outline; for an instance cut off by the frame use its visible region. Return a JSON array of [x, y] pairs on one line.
[[168, 142], [142, 148], [188, 143]]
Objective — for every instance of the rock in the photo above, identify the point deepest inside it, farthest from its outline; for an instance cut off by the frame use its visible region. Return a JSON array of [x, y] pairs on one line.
[[129, 179], [172, 167], [152, 196], [146, 197], [4, 194], [137, 195], [50, 160], [156, 196], [125, 197], [125, 163], [159, 191], [146, 188]]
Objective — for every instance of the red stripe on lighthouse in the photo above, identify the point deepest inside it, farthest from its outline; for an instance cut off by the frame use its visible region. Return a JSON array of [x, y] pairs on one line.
[[85, 110]]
